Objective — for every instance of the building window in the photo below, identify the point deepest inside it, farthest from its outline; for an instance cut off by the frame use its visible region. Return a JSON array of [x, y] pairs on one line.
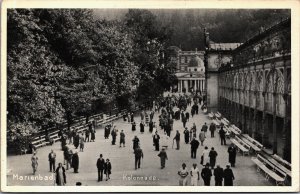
[[185, 58], [185, 68], [189, 69], [182, 59], [195, 69]]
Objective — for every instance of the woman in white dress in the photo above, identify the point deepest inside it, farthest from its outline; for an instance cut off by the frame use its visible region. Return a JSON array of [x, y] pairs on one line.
[[205, 155]]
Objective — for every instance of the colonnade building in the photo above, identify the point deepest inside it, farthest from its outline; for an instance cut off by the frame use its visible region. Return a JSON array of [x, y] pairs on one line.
[[253, 88]]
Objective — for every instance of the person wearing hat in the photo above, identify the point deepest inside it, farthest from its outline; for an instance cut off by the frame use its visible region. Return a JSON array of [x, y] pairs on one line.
[[204, 128], [232, 154], [206, 174], [75, 162], [100, 166], [106, 131], [212, 129], [114, 135], [122, 138], [163, 157], [142, 127], [76, 140], [177, 138], [133, 127], [136, 142], [186, 135], [187, 115], [194, 146], [183, 173], [107, 169], [228, 176], [222, 136], [212, 157], [156, 138], [194, 175], [218, 173], [150, 126]]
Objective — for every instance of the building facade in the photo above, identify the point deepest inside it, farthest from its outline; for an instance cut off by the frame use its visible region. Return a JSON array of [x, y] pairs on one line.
[[190, 71], [254, 88], [215, 55]]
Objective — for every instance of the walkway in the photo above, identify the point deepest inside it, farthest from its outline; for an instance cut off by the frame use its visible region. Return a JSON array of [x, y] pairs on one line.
[[122, 160]]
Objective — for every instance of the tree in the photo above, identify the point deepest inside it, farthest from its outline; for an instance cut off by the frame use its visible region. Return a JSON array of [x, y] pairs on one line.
[[149, 38]]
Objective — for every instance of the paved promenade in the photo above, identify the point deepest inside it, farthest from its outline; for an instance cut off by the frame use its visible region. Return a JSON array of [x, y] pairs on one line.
[[122, 160]]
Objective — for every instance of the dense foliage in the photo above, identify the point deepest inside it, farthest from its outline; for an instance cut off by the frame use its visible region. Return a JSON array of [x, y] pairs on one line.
[[224, 25], [65, 63]]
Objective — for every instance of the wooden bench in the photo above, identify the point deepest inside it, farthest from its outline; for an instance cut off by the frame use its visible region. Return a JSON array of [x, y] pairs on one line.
[[253, 141], [261, 166], [244, 144], [233, 131], [282, 161], [253, 146], [226, 120], [240, 147], [218, 115], [211, 116], [272, 171], [79, 124], [277, 166], [40, 143]]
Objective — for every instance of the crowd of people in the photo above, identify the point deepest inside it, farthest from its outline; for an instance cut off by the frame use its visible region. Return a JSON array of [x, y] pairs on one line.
[[169, 109]]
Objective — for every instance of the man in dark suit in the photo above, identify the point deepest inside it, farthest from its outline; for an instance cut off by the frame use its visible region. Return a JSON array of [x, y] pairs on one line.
[[228, 176], [156, 138], [206, 175], [138, 152], [204, 128], [212, 129], [100, 166], [212, 157], [194, 146], [75, 162], [232, 154], [177, 138], [218, 173], [222, 136], [51, 158]]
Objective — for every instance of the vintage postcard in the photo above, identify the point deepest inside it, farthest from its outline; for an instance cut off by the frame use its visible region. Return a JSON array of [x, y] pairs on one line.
[[150, 96]]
